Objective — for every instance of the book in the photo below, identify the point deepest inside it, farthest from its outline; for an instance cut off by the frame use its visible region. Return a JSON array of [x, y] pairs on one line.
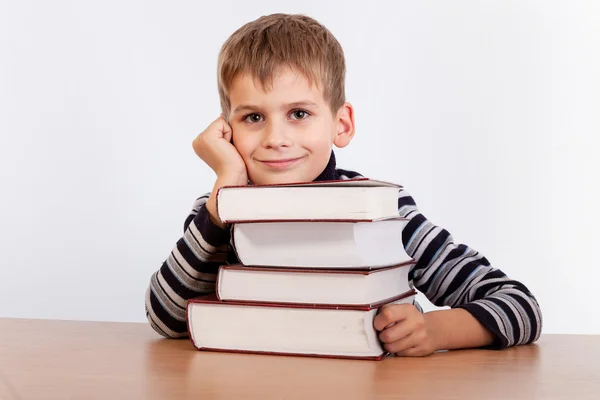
[[350, 199], [312, 286], [323, 244], [340, 331]]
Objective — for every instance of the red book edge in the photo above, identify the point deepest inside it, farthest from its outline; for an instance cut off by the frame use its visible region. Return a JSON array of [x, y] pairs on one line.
[[357, 271], [347, 182], [212, 299], [317, 306], [366, 358], [349, 221]]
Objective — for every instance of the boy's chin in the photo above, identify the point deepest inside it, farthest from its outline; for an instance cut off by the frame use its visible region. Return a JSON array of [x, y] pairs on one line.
[[275, 179]]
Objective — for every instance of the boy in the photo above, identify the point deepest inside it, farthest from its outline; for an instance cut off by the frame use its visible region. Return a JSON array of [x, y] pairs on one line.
[[281, 85]]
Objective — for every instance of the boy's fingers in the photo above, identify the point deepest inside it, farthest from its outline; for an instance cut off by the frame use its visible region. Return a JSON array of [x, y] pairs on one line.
[[396, 332], [389, 315], [227, 135], [403, 344], [415, 351], [219, 128], [224, 128]]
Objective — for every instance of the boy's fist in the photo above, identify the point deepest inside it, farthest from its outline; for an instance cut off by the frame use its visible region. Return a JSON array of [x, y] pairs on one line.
[[404, 331], [214, 147]]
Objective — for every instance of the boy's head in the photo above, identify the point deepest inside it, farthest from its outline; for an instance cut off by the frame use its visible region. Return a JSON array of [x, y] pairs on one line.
[[281, 86]]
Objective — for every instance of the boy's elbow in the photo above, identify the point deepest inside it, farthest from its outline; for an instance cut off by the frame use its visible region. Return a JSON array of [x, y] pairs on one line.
[[174, 330], [164, 331], [531, 314], [537, 320]]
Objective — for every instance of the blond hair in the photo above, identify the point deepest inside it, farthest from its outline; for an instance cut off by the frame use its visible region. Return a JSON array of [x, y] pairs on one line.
[[270, 42]]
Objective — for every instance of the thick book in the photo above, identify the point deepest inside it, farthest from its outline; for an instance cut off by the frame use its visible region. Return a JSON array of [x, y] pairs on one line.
[[339, 331], [322, 244], [315, 286], [349, 199]]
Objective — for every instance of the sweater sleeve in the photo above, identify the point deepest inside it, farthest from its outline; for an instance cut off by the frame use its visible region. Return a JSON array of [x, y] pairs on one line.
[[189, 271], [455, 275]]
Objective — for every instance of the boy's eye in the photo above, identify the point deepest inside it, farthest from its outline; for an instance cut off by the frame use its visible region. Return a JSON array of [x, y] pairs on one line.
[[299, 114], [253, 118]]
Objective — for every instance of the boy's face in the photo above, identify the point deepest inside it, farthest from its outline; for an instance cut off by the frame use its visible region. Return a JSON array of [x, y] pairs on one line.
[[285, 134]]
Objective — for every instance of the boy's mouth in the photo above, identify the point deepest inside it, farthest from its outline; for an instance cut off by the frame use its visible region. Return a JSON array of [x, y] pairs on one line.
[[282, 163]]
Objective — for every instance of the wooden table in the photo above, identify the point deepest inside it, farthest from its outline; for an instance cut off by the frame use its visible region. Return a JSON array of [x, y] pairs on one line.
[[92, 360]]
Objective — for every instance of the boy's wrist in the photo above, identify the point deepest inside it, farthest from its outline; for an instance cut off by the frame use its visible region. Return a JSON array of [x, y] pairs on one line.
[[436, 337], [211, 207], [239, 179], [231, 178], [455, 328]]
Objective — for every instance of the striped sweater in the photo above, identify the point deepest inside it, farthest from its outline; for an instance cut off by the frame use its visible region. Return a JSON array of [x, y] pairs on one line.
[[447, 273]]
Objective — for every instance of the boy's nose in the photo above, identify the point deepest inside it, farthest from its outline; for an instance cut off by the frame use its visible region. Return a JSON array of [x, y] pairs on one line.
[[276, 136]]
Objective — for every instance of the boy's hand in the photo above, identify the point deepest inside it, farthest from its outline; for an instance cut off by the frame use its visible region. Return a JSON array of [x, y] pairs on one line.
[[214, 147], [404, 330]]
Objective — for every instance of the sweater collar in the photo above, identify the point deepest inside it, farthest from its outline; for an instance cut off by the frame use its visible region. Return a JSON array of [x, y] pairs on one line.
[[330, 172]]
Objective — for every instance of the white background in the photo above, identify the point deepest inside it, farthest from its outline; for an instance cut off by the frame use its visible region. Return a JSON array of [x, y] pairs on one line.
[[487, 112]]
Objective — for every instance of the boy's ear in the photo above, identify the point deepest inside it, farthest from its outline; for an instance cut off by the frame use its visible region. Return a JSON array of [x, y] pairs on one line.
[[345, 125]]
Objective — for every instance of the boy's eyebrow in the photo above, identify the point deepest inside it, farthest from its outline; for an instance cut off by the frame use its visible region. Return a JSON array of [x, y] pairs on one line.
[[303, 103]]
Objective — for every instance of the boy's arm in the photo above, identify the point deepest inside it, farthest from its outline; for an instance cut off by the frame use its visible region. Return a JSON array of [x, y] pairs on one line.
[[189, 271], [455, 275], [192, 266]]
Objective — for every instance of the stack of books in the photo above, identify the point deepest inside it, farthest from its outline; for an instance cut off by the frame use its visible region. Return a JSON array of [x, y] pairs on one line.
[[317, 262]]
